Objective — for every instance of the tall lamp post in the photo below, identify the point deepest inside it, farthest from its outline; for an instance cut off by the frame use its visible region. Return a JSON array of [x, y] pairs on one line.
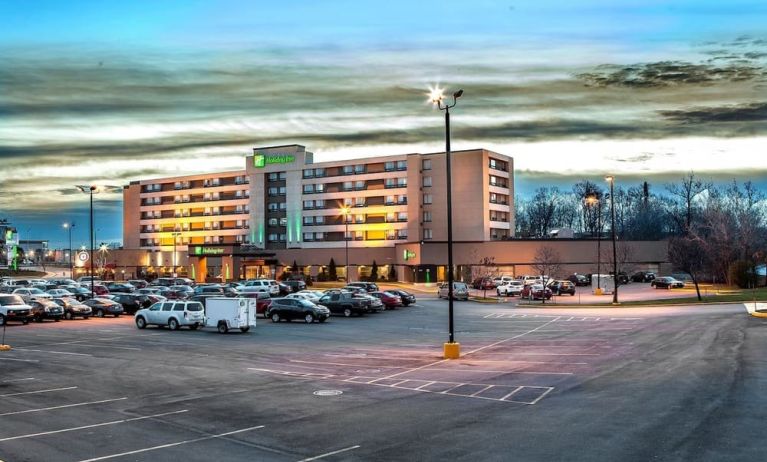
[[68, 227], [452, 349], [345, 213], [611, 180], [90, 190], [591, 200]]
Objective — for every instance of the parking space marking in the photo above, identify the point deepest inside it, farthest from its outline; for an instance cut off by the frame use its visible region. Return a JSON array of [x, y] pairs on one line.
[[63, 406], [21, 360], [170, 445], [480, 391], [510, 394], [512, 338], [18, 380], [54, 352], [537, 317], [330, 453], [37, 391], [114, 422]]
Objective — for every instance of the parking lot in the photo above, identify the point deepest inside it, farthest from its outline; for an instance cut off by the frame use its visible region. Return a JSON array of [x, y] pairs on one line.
[[670, 383]]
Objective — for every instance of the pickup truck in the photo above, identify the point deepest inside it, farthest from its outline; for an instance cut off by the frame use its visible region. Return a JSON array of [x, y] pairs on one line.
[[345, 303], [13, 308]]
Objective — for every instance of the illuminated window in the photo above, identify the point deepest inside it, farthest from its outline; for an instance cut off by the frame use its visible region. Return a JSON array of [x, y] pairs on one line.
[[426, 164], [401, 165], [389, 200], [402, 234], [283, 221], [427, 181], [389, 166], [402, 216]]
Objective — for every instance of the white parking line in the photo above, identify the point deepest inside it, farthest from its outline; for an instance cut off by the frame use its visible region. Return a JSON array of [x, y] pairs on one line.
[[509, 394], [21, 360], [170, 445], [114, 422], [38, 391], [324, 455], [480, 391], [54, 352], [64, 406], [512, 338], [18, 380]]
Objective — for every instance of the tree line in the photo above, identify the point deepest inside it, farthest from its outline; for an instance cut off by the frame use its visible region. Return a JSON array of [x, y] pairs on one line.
[[715, 233]]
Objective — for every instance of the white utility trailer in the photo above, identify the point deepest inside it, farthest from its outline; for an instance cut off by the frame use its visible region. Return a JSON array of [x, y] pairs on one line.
[[230, 313], [604, 283]]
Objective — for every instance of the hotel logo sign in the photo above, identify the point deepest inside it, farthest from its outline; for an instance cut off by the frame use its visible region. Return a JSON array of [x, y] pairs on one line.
[[408, 254], [199, 251], [262, 160]]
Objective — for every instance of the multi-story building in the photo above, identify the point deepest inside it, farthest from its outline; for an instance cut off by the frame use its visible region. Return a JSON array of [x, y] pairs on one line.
[[283, 204]]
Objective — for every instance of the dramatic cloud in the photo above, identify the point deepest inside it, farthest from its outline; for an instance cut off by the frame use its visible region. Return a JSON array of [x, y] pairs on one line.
[[744, 113]]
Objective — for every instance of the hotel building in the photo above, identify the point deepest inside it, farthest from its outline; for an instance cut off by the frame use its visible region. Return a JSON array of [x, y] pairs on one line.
[[283, 207]]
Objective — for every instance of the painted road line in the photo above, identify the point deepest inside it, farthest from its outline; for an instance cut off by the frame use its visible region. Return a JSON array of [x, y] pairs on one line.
[[541, 397], [326, 454], [20, 360], [18, 380], [63, 406], [512, 338], [509, 394], [170, 445], [322, 363], [480, 391], [425, 385], [502, 372], [54, 352], [114, 422], [38, 391]]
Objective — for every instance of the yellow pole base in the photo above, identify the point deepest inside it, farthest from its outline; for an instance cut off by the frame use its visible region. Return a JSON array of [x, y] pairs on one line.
[[452, 350], [599, 291], [5, 348]]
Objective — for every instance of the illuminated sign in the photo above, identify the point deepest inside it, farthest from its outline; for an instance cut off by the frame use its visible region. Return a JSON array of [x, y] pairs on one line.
[[408, 254], [83, 256], [208, 251], [262, 160]]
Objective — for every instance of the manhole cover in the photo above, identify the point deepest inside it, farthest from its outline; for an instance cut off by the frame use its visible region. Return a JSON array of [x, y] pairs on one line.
[[367, 371], [328, 392]]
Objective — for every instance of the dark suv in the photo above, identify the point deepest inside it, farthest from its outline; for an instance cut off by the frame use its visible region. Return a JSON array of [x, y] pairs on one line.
[[579, 279], [132, 302], [293, 308], [643, 276], [562, 287], [345, 303], [46, 309], [295, 284], [368, 286]]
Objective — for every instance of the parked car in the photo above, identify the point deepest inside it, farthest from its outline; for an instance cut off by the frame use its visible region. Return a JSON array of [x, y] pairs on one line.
[[389, 299], [667, 282], [104, 306], [138, 283], [14, 308], [31, 293], [166, 282], [295, 285], [483, 284], [346, 303], [172, 314], [202, 290], [311, 295], [43, 308], [57, 293], [368, 286], [264, 285], [293, 308], [73, 308], [623, 278], [407, 297], [284, 288], [87, 279], [580, 280], [642, 276], [375, 303], [536, 292], [99, 290], [460, 291], [562, 287], [79, 293], [132, 302], [183, 282], [510, 288]]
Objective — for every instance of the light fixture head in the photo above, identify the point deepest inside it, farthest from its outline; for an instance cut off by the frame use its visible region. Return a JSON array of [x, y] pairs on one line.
[[609, 178], [458, 94]]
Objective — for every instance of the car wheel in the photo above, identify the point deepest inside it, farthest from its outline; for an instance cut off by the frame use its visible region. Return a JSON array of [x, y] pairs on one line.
[[68, 316], [99, 313], [56, 319], [323, 319], [244, 329], [347, 312], [141, 322], [86, 317], [172, 324], [25, 322], [559, 292], [222, 328], [309, 318], [117, 315], [275, 317], [194, 326]]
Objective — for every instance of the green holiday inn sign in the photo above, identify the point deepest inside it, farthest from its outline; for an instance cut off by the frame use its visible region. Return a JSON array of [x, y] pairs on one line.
[[262, 160]]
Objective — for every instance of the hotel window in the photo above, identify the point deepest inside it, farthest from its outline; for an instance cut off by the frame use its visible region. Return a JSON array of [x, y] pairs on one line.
[[402, 200], [401, 182], [427, 233], [308, 188], [283, 221], [360, 168], [308, 220], [401, 165], [308, 236], [389, 200], [186, 226], [272, 206], [246, 224], [359, 185], [389, 166], [238, 224], [272, 191], [207, 225], [498, 165], [216, 182], [391, 234], [216, 196], [309, 173], [318, 188], [402, 233], [427, 182], [238, 194], [319, 172], [359, 235], [402, 216], [177, 199], [273, 222], [347, 186], [319, 204], [206, 211], [216, 224], [185, 198], [359, 201], [427, 216], [272, 237], [359, 219], [283, 176], [318, 220], [427, 198], [177, 214], [238, 238], [282, 191], [390, 182], [282, 237], [216, 210], [348, 169], [283, 206], [426, 164], [273, 177], [391, 217], [308, 205]]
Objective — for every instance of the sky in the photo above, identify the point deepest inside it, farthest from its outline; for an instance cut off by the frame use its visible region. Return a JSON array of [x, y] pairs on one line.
[[106, 92]]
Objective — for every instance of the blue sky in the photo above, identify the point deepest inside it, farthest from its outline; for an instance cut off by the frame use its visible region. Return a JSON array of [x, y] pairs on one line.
[[108, 92]]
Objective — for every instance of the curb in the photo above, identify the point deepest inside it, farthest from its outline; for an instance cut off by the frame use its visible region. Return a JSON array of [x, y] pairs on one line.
[[759, 314], [757, 311]]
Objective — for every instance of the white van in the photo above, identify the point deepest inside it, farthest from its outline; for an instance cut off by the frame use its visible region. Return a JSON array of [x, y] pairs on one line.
[[230, 313]]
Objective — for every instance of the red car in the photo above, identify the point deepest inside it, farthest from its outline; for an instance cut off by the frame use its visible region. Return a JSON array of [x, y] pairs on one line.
[[390, 300], [263, 302], [535, 292], [483, 284], [99, 289]]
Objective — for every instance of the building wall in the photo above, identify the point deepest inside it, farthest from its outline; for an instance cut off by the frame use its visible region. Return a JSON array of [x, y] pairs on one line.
[[131, 216]]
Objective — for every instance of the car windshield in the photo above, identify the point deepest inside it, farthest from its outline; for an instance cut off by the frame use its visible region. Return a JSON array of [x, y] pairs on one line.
[[10, 300], [196, 306]]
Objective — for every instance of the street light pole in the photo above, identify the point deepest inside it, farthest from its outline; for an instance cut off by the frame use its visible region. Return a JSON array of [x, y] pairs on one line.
[[90, 190], [345, 214], [599, 246], [611, 179], [452, 349]]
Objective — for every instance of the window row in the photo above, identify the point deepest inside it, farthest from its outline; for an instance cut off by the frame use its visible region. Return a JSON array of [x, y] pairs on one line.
[[398, 165], [276, 191], [498, 165], [498, 181], [499, 216], [277, 176], [502, 199], [275, 206]]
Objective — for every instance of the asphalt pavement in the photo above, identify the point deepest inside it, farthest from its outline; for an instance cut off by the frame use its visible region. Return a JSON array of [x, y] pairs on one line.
[[628, 384]]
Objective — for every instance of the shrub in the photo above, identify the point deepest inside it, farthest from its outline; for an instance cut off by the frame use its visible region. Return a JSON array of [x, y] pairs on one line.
[[741, 273]]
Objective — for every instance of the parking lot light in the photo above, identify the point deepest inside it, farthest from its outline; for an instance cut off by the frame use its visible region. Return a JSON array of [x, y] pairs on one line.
[[611, 180]]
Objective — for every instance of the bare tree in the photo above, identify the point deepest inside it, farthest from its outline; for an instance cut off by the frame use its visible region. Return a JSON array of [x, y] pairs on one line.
[[688, 253], [541, 211], [625, 253], [546, 263], [686, 193]]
